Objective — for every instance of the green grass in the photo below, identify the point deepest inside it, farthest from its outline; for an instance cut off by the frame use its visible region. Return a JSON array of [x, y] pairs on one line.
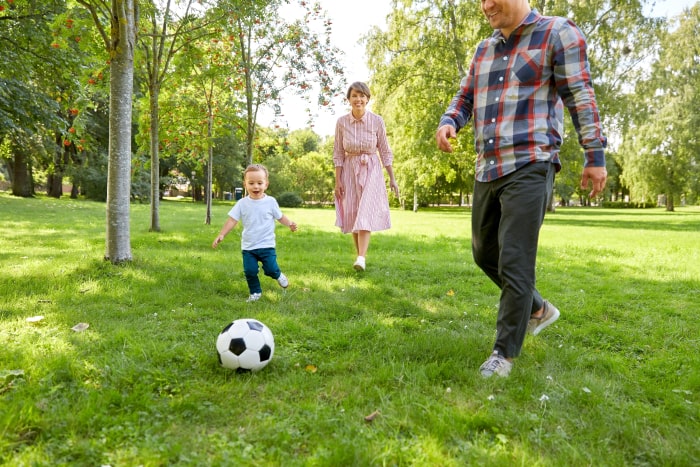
[[614, 382]]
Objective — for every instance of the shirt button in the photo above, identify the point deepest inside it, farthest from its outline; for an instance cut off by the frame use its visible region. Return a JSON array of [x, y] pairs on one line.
[[497, 99], [505, 58], [500, 79], [490, 141], [493, 120], [492, 162]]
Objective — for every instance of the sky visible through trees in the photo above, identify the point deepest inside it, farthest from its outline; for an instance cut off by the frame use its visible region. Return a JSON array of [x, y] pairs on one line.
[[351, 21]]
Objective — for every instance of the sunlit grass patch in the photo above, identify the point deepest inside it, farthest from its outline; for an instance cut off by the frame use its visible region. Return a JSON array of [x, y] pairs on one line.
[[613, 382]]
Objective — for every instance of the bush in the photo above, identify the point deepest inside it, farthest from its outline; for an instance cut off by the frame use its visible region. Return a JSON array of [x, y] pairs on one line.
[[289, 199], [631, 205]]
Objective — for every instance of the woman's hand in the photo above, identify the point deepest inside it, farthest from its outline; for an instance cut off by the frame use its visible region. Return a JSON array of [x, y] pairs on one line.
[[339, 190], [394, 187]]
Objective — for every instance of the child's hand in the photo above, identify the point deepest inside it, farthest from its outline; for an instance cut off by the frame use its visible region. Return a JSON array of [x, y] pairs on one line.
[[293, 226]]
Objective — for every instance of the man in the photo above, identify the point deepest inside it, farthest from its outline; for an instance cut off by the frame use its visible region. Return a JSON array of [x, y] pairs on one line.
[[519, 81]]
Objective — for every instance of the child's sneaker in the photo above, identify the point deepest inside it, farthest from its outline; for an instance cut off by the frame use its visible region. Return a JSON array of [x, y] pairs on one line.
[[254, 297], [283, 281]]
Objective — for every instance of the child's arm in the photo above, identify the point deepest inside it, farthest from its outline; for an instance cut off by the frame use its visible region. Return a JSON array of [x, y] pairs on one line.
[[284, 220], [228, 226]]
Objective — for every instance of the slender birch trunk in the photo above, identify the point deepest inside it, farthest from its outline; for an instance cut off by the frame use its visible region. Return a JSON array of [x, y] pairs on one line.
[[121, 47]]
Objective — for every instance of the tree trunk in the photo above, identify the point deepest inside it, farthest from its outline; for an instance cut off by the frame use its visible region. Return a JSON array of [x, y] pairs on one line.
[[54, 180], [669, 203], [123, 37], [21, 175], [155, 159], [210, 164], [415, 197]]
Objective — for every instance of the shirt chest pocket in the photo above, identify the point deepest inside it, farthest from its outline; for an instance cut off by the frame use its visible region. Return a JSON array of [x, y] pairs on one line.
[[528, 67]]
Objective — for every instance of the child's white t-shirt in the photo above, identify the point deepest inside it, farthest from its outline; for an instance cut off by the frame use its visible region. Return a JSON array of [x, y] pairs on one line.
[[258, 218]]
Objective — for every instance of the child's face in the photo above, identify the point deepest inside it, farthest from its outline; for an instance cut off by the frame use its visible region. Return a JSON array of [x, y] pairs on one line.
[[256, 183]]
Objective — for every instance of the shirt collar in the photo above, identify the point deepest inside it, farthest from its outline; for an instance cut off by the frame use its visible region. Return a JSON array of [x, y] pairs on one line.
[[359, 120], [531, 18]]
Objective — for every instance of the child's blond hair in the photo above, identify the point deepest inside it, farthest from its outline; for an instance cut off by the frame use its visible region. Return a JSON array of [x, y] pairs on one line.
[[256, 168]]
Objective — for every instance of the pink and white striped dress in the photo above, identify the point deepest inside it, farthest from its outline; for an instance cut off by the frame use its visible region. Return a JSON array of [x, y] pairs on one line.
[[365, 205]]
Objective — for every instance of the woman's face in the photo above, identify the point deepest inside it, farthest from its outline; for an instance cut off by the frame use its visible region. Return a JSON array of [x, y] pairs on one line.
[[358, 102]]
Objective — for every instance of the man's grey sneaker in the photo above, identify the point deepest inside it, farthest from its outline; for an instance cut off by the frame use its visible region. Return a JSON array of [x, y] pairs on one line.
[[283, 281], [254, 297], [495, 364], [550, 315]]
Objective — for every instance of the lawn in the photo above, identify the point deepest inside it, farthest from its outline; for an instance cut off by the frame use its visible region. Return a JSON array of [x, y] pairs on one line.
[[616, 381]]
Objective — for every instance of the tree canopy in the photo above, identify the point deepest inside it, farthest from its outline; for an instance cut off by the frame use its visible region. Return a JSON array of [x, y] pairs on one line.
[[125, 112]]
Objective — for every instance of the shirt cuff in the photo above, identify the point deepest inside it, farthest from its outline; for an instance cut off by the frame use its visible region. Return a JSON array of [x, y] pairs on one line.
[[447, 121], [594, 158]]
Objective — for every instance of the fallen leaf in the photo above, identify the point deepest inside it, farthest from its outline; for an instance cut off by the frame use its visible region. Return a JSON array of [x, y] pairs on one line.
[[372, 416], [35, 319], [311, 368], [450, 293], [80, 327]]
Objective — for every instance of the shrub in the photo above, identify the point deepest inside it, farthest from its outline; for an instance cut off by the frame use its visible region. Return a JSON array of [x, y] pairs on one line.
[[631, 205], [289, 199]]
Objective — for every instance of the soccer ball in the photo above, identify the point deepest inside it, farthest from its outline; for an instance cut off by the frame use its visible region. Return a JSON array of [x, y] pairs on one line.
[[245, 345]]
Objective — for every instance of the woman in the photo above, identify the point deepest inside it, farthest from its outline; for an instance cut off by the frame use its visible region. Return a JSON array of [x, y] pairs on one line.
[[361, 202]]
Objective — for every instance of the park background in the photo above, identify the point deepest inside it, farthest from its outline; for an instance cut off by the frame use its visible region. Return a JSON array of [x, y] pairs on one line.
[[614, 383]]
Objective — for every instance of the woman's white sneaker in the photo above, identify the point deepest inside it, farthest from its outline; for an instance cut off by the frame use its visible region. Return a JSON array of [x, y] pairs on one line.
[[359, 263]]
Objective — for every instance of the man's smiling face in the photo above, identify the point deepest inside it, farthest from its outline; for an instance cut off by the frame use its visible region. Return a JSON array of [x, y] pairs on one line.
[[505, 15]]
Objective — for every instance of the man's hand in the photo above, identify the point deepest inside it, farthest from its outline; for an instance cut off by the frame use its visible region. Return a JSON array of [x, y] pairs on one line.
[[443, 135], [597, 176]]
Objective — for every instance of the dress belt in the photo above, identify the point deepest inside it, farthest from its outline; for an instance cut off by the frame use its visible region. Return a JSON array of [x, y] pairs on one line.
[[361, 172]]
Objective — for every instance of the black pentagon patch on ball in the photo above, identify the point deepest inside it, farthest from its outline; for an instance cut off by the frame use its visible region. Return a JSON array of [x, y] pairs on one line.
[[265, 353], [255, 326], [237, 346]]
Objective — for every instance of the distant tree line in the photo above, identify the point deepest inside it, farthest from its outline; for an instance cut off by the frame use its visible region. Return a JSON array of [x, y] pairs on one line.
[[118, 100]]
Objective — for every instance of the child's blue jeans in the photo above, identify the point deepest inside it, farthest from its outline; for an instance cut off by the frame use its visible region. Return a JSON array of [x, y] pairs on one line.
[[268, 258]]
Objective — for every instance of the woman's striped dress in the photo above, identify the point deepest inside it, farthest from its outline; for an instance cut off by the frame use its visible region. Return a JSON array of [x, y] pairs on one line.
[[362, 149]]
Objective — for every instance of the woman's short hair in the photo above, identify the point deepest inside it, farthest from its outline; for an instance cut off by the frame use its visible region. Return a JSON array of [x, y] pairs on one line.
[[359, 86]]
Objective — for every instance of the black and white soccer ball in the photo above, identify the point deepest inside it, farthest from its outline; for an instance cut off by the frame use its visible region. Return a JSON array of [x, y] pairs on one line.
[[245, 345]]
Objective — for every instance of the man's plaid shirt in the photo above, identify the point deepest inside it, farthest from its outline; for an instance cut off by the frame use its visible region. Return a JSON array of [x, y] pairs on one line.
[[514, 91]]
